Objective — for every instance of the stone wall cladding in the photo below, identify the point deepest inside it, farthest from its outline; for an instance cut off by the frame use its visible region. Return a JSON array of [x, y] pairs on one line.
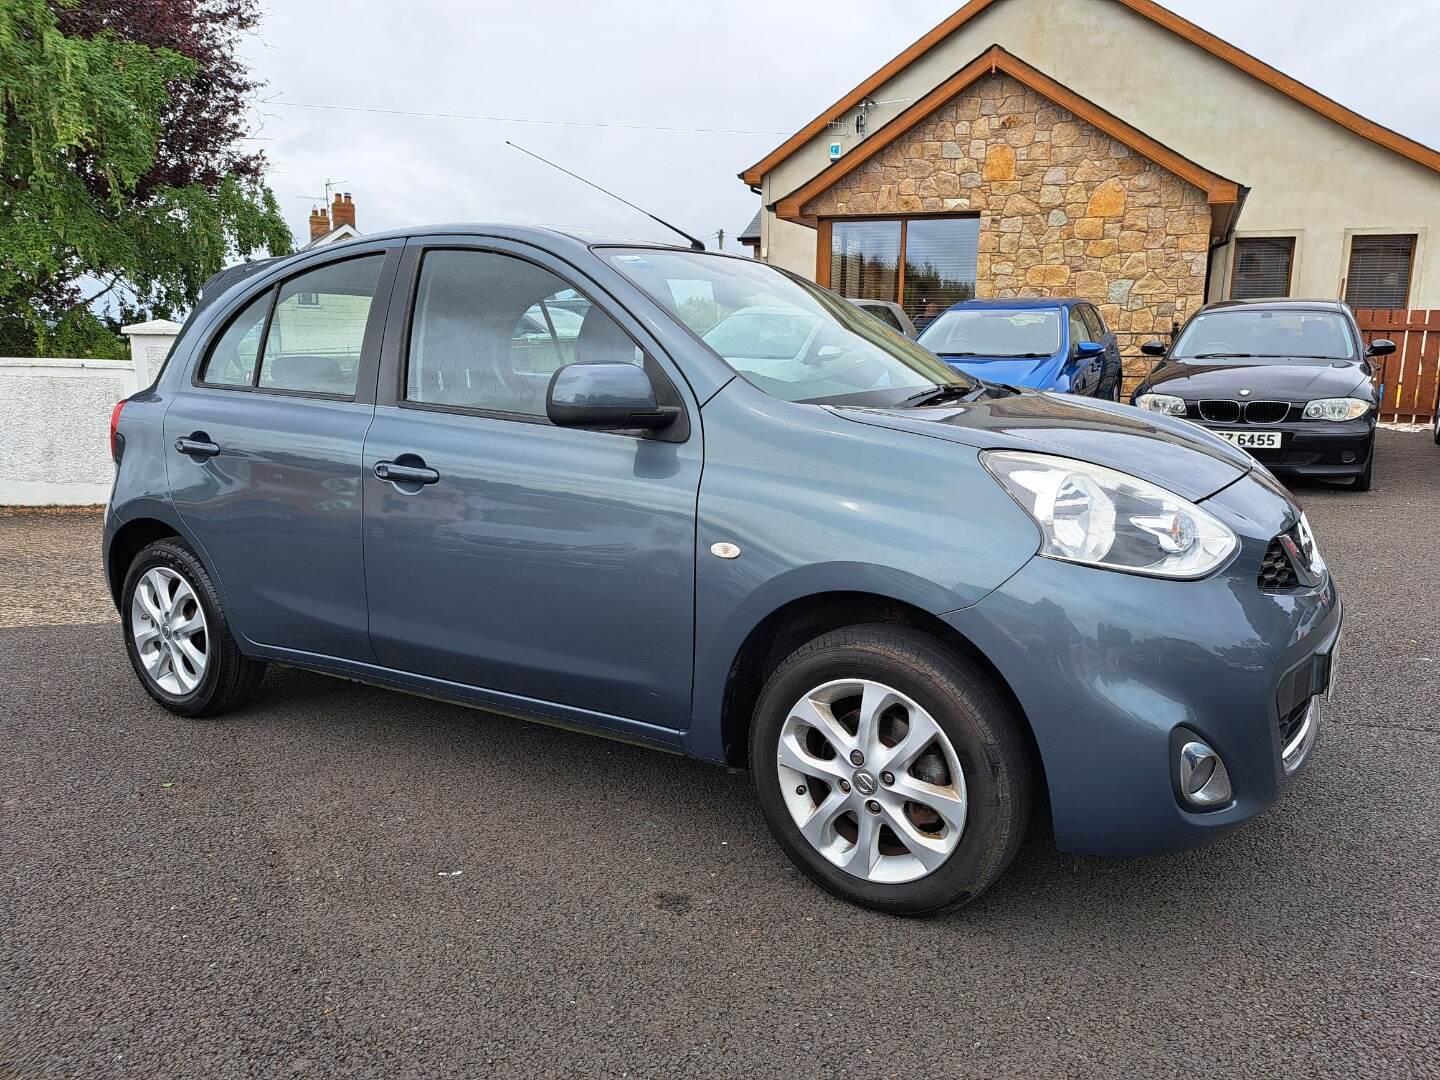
[[1065, 210]]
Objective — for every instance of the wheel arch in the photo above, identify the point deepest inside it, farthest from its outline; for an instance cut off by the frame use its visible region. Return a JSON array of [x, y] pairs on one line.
[[805, 618]]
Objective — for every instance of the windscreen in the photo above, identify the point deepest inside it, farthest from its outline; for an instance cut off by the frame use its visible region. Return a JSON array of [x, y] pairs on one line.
[[987, 332], [790, 338], [1279, 335]]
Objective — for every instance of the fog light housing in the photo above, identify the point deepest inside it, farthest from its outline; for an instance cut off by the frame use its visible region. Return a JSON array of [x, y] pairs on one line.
[[1204, 780], [1347, 456]]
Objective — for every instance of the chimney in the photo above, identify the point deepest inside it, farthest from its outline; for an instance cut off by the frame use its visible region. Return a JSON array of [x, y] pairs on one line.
[[342, 212], [319, 223]]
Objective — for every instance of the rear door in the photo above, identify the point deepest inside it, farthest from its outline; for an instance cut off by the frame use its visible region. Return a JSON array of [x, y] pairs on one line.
[[537, 563], [264, 442]]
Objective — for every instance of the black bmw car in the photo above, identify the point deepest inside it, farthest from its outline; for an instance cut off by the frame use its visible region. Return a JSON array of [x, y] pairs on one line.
[[1287, 380]]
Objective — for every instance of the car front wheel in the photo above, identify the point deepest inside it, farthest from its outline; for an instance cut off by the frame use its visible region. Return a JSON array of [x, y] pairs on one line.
[[177, 637], [890, 770]]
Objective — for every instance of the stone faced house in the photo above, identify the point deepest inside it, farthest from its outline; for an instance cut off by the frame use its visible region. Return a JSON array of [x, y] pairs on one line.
[[1002, 156]]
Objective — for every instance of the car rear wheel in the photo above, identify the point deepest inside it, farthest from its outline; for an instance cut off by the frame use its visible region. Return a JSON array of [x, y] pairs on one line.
[[177, 637], [890, 770]]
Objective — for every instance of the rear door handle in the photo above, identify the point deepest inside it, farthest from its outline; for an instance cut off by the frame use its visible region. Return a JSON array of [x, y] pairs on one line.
[[197, 447], [405, 474]]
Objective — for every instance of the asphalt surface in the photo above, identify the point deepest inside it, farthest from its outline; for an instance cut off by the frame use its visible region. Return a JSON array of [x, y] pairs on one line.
[[343, 881]]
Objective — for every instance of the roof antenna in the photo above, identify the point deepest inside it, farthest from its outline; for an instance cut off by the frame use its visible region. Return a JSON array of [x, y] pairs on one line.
[[694, 244]]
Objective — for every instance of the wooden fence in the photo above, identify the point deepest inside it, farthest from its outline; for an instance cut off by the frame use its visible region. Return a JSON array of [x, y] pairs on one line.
[[1410, 375]]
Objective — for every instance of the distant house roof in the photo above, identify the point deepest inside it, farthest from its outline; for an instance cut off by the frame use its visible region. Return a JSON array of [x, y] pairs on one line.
[[751, 233], [334, 236]]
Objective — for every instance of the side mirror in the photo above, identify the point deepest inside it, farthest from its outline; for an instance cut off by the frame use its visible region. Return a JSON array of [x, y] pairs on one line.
[[1089, 350], [1154, 348], [1380, 347], [606, 397]]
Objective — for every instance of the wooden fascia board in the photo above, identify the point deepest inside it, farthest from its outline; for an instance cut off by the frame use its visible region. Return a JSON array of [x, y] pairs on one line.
[[1218, 190]]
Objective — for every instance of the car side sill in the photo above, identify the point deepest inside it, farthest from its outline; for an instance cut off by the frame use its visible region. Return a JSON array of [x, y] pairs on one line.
[[534, 710]]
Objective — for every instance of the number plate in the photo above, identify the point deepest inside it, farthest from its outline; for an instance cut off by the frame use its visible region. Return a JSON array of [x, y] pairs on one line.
[[1252, 440]]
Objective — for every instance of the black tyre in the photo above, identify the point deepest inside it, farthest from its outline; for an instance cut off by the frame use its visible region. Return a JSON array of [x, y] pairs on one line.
[[1437, 423], [176, 634], [1362, 482], [890, 770]]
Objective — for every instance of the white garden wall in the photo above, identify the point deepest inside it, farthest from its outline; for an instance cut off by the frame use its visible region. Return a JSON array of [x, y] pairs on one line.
[[55, 420]]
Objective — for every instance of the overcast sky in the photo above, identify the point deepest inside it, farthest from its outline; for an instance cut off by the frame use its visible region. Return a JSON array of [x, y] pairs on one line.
[[658, 63]]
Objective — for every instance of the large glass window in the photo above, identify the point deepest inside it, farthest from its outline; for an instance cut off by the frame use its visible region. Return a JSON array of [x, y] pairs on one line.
[[924, 264], [1379, 271], [1237, 332], [318, 328], [1262, 266], [489, 331], [314, 338], [990, 332], [790, 338]]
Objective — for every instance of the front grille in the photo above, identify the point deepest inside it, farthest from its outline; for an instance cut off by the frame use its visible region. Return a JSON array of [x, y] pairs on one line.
[[1266, 412], [1276, 571], [1219, 411]]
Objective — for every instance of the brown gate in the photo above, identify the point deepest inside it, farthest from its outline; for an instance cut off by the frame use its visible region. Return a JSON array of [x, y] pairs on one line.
[[1410, 375]]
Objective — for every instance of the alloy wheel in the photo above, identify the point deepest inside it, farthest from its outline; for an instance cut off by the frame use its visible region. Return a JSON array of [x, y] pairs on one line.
[[871, 781], [168, 626]]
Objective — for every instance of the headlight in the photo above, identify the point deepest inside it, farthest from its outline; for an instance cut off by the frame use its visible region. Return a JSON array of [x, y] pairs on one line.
[[1336, 408], [1161, 403], [1100, 517]]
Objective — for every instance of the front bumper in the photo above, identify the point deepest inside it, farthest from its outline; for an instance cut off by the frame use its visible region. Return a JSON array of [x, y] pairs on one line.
[[1111, 669], [1315, 448]]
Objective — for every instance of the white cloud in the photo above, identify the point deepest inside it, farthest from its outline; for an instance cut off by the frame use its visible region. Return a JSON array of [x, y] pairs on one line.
[[682, 65]]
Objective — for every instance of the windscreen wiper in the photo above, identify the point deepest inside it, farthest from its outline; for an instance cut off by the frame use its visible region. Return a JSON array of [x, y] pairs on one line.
[[936, 394], [1223, 356]]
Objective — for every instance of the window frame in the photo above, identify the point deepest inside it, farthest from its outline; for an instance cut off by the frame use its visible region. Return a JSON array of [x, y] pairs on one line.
[[1412, 281], [416, 252], [1240, 238], [369, 342], [824, 247]]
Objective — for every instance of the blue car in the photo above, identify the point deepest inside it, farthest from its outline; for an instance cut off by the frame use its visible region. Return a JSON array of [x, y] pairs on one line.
[[1049, 344], [688, 500]]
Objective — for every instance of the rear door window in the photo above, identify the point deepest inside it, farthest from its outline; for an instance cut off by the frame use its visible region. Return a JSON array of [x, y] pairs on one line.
[[1092, 322], [312, 340], [313, 345]]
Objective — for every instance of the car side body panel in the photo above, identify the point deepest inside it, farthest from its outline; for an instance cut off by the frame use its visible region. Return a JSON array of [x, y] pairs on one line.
[[879, 526]]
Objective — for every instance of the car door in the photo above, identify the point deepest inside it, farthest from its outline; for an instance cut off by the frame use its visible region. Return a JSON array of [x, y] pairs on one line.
[[533, 562], [1112, 371], [1084, 373], [264, 443]]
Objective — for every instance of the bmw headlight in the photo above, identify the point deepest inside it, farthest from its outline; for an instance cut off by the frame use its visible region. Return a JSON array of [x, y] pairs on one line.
[[1098, 516], [1165, 404], [1336, 408]]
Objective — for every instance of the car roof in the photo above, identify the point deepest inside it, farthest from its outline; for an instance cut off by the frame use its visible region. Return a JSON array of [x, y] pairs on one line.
[[1014, 302], [1280, 303]]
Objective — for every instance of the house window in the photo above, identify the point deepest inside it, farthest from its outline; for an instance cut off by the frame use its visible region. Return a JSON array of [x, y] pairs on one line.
[[1262, 266], [1379, 271], [924, 264], [308, 299]]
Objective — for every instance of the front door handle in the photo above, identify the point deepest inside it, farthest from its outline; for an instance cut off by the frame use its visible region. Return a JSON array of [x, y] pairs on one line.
[[197, 446], [397, 473]]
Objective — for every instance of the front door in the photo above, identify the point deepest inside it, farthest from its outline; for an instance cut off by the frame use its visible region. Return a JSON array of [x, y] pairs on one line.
[[542, 564], [263, 447]]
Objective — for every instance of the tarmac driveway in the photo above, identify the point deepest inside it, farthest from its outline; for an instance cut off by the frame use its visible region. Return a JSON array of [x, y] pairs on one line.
[[343, 881]]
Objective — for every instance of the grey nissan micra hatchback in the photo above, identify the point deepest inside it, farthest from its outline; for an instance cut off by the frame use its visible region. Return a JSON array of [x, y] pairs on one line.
[[688, 500]]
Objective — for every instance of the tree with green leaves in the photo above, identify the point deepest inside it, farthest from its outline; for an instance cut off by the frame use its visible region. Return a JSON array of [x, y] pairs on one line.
[[119, 177]]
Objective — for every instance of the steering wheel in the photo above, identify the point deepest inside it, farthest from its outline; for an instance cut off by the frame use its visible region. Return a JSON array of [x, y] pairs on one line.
[[1216, 346]]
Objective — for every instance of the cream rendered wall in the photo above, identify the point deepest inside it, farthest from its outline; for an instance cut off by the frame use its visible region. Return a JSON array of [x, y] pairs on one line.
[[1308, 176]]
